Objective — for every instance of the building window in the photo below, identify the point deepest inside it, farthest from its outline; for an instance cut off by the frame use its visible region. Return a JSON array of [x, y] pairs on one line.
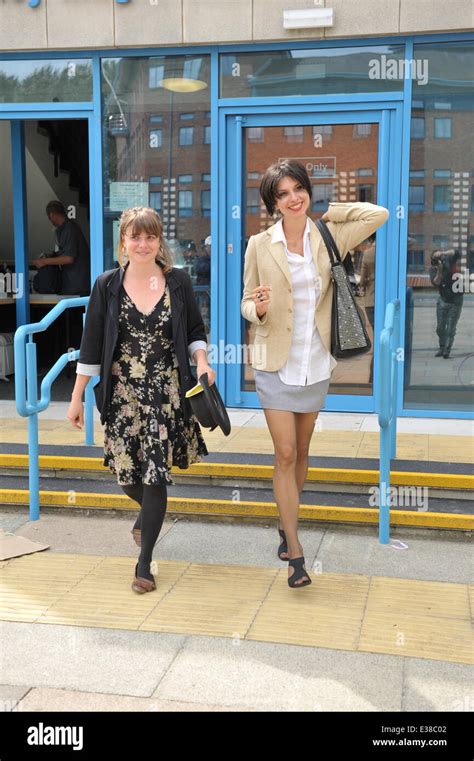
[[365, 193], [362, 130], [322, 196], [185, 178], [253, 201], [294, 134], [155, 200], [185, 203], [155, 179], [207, 134], [415, 261], [156, 119], [441, 198], [323, 129], [255, 134], [417, 174], [155, 76], [442, 127], [206, 203], [186, 117], [156, 138], [365, 172], [186, 135], [444, 220], [254, 175], [417, 127], [205, 177], [440, 242], [416, 197]]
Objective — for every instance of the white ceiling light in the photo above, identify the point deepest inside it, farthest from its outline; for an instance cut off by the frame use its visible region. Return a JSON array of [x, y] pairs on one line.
[[309, 18]]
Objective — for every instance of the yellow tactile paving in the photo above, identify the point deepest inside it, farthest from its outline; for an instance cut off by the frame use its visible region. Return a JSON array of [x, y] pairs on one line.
[[216, 600], [328, 613], [422, 619], [31, 584], [420, 598], [248, 439], [443, 639], [444, 448], [101, 598]]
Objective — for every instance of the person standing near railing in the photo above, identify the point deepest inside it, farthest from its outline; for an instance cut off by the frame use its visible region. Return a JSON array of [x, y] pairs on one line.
[[288, 296], [142, 326]]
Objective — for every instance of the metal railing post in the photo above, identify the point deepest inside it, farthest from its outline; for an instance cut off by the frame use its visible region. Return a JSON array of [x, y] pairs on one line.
[[33, 456], [387, 413], [27, 404]]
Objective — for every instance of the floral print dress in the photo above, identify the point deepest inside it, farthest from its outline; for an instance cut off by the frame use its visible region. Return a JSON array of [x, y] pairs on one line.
[[146, 432]]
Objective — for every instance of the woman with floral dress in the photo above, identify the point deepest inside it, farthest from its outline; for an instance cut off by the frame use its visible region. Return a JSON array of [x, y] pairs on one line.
[[142, 327]]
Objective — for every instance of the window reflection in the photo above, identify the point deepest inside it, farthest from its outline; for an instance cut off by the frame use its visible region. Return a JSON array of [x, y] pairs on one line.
[[157, 153], [338, 173], [308, 71], [46, 80], [439, 330]]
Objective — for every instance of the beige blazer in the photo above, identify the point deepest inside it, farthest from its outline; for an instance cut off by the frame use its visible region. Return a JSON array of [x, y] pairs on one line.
[[266, 264]]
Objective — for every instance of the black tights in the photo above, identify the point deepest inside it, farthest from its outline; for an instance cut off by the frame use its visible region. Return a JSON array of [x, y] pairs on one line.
[[152, 500]]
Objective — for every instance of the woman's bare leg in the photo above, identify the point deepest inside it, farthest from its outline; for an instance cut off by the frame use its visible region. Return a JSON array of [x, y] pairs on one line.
[[305, 422], [282, 427]]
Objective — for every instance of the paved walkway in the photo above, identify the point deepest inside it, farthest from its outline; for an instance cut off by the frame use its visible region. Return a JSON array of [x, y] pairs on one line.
[[381, 627]]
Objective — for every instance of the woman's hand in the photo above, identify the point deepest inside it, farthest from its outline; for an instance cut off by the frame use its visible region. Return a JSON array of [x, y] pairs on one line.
[[75, 413], [261, 298], [325, 216], [201, 368]]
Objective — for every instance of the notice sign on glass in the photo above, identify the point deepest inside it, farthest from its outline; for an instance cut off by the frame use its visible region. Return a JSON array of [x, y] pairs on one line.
[[318, 166], [125, 195]]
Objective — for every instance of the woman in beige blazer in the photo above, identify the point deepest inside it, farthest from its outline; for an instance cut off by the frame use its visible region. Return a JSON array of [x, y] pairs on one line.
[[288, 296]]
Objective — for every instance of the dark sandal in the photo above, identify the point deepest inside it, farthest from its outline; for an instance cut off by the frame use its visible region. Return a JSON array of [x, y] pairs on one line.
[[283, 548], [299, 573], [142, 585], [137, 535]]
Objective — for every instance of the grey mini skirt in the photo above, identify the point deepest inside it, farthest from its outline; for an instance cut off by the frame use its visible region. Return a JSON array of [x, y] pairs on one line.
[[276, 395]]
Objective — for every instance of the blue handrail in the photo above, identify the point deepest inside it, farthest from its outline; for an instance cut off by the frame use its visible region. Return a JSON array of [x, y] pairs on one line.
[[389, 362], [26, 389]]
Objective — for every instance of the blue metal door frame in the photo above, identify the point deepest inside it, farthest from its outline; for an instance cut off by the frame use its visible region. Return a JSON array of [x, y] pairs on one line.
[[232, 119], [17, 114]]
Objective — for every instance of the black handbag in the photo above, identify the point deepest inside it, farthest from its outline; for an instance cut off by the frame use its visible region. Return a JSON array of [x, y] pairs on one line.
[[349, 336]]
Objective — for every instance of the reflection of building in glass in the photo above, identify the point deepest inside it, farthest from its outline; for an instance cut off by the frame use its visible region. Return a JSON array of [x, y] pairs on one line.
[[157, 120], [342, 159]]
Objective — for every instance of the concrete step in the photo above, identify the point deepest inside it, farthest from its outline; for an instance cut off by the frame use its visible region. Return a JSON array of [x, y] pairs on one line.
[[412, 508], [334, 477]]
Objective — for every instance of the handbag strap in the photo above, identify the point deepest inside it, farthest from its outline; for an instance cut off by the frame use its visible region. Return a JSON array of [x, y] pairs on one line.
[[333, 251], [329, 241]]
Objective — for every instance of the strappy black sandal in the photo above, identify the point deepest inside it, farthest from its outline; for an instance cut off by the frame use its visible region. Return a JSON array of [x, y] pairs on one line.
[[299, 573], [283, 548]]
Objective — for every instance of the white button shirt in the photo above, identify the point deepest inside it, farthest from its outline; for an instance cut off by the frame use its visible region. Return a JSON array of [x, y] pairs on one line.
[[308, 361]]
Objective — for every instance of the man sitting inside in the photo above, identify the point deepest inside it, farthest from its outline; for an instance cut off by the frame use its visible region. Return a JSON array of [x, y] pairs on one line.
[[72, 252]]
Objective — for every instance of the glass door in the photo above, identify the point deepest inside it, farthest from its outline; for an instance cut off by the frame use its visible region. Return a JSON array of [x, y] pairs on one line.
[[347, 157]]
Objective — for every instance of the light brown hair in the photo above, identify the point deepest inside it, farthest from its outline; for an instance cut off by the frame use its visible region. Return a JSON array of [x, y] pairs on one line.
[[146, 220]]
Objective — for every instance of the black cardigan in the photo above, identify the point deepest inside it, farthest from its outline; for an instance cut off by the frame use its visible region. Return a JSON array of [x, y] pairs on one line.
[[101, 330]]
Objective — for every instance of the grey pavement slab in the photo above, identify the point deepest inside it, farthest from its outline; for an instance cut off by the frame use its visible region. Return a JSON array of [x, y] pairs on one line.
[[47, 699], [429, 555], [413, 553], [191, 541], [437, 685], [10, 696], [267, 676], [83, 658]]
